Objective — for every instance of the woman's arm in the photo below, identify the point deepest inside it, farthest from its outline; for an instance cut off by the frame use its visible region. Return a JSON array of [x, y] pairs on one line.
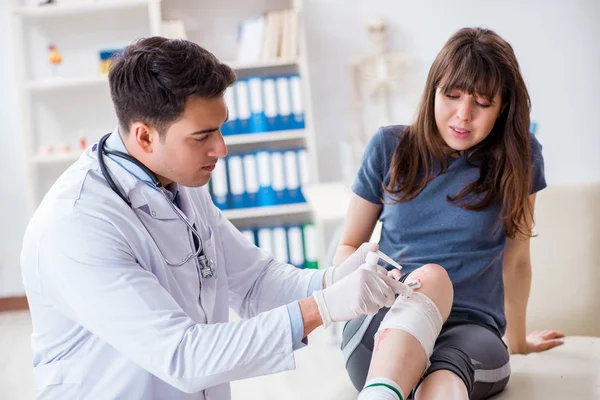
[[517, 284], [361, 218]]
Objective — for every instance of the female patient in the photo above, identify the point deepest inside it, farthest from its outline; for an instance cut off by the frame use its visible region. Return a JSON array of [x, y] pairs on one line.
[[456, 189]]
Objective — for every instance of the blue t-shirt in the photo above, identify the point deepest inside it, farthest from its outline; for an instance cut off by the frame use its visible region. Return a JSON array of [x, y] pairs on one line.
[[430, 229]]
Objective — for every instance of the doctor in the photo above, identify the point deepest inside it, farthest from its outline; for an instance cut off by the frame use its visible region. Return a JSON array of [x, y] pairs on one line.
[[130, 270]]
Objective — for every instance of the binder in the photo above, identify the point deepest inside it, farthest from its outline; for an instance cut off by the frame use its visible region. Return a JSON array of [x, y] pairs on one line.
[[310, 246], [270, 103], [242, 101], [258, 120], [266, 195], [230, 127], [265, 240], [292, 177], [296, 246], [278, 177], [280, 246], [304, 171], [219, 187], [236, 181], [297, 121], [249, 234], [284, 103], [250, 180]]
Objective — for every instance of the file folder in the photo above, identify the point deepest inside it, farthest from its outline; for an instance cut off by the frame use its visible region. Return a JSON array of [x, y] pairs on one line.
[[278, 177], [280, 246], [242, 97], [250, 180], [297, 102], [266, 195], [236, 181], [219, 187], [311, 259], [296, 246], [258, 120], [292, 177]]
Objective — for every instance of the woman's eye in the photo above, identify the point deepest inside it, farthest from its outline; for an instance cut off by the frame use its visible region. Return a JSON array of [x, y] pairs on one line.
[[202, 139], [452, 96], [483, 105]]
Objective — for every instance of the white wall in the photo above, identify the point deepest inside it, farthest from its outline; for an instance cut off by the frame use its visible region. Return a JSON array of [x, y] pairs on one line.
[[13, 214], [557, 43]]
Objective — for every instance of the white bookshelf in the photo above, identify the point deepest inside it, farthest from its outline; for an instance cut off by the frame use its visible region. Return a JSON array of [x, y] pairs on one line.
[[49, 102], [263, 212], [80, 7]]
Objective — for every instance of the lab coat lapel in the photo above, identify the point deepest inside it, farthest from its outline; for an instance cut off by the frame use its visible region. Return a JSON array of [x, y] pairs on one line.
[[208, 291]]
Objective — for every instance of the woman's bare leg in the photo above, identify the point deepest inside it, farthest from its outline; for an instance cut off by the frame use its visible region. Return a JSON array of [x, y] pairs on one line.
[[397, 354]]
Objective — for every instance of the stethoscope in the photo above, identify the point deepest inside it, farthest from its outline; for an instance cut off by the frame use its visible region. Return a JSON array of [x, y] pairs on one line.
[[207, 269]]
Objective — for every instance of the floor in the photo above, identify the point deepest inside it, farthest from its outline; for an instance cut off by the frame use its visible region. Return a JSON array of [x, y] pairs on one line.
[[319, 374]]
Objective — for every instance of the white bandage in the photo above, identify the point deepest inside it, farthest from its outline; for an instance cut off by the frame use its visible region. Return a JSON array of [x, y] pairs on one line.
[[417, 315]]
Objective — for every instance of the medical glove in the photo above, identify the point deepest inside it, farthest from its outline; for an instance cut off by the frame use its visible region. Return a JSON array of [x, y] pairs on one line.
[[337, 272], [364, 291]]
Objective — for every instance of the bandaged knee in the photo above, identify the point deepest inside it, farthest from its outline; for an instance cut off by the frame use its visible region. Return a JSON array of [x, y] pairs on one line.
[[381, 389], [417, 315]]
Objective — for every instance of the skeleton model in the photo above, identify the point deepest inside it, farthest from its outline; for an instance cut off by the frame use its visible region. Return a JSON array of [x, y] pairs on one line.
[[375, 79]]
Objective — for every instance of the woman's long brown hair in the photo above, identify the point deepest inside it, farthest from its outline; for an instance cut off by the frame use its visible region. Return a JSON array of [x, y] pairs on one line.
[[474, 60]]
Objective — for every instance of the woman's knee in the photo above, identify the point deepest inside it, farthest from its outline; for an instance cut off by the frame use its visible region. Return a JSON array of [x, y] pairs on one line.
[[436, 285]]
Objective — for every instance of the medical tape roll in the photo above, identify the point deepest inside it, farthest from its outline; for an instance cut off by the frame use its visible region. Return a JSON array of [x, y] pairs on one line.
[[417, 315]]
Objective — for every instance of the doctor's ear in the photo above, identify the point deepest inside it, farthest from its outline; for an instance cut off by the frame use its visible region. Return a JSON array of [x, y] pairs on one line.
[[143, 136]]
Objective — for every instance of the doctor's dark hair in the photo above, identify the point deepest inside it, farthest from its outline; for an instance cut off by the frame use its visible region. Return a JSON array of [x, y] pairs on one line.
[[152, 79], [476, 61]]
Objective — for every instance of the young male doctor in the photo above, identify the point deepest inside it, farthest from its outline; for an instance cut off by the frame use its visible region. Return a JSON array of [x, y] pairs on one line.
[[130, 269]]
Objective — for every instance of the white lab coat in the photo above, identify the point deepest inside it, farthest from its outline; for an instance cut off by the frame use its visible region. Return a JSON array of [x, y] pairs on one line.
[[111, 320]]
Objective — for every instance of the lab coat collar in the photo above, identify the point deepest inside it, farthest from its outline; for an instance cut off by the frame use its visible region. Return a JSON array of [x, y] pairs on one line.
[[145, 194]]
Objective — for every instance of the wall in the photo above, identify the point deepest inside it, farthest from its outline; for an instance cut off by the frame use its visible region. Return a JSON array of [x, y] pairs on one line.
[[13, 214], [557, 44]]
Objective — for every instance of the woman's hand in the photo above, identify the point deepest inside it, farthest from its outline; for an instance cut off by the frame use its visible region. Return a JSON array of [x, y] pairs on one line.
[[539, 341]]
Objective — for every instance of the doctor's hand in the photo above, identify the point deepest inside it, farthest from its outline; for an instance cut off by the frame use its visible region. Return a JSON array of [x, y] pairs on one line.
[[364, 291], [337, 272]]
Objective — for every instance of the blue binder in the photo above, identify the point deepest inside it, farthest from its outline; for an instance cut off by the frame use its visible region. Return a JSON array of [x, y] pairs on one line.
[[242, 97], [265, 195], [292, 177], [284, 103], [236, 181], [230, 127], [219, 187], [295, 244], [258, 120], [270, 103], [278, 177], [297, 121], [251, 186]]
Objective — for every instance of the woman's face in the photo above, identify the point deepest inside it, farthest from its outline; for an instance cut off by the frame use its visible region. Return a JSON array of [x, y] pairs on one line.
[[464, 120]]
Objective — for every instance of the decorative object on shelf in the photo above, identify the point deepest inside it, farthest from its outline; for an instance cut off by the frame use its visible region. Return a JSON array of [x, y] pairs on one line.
[[106, 59], [54, 58], [47, 2], [375, 79], [83, 142]]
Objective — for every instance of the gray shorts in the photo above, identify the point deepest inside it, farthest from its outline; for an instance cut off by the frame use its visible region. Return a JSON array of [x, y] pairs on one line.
[[474, 352]]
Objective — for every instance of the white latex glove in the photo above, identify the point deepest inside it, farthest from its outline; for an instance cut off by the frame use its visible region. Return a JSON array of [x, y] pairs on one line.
[[337, 272], [364, 291]]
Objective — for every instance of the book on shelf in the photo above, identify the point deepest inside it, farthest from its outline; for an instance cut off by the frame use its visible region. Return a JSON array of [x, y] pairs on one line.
[[270, 37]]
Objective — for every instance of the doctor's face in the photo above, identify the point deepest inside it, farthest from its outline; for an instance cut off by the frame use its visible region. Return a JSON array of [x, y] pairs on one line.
[[192, 146]]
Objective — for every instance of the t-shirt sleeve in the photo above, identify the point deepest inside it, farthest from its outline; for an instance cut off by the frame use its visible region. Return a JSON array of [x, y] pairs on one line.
[[369, 179], [539, 177]]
